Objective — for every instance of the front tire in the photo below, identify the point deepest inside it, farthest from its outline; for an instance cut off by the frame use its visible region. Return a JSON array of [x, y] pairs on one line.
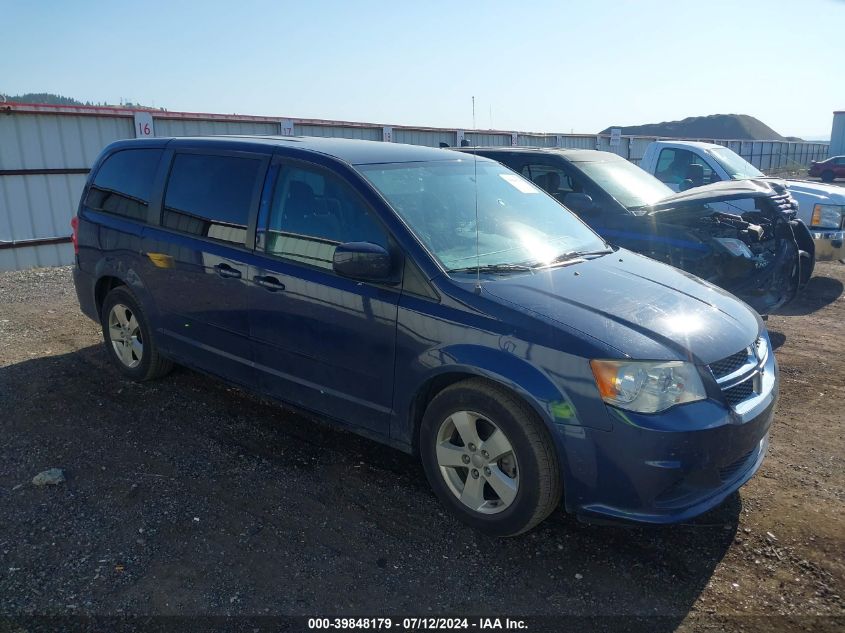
[[128, 338], [828, 176], [489, 458]]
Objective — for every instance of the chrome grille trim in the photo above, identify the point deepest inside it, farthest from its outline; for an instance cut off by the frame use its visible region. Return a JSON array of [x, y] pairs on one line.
[[742, 382]]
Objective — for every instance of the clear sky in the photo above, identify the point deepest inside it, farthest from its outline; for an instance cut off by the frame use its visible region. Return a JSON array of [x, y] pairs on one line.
[[532, 65]]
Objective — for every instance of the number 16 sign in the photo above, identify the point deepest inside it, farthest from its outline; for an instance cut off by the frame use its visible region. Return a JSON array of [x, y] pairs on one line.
[[144, 125]]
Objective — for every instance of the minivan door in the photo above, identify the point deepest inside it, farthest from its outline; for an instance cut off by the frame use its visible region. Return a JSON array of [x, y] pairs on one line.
[[197, 259], [321, 341]]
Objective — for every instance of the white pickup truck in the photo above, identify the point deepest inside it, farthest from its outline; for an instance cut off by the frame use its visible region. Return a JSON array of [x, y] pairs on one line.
[[686, 164]]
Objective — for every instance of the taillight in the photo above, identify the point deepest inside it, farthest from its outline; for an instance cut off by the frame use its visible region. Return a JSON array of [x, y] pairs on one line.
[[74, 224]]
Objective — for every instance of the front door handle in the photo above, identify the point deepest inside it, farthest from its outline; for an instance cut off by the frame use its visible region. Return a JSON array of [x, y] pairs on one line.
[[224, 270], [269, 283]]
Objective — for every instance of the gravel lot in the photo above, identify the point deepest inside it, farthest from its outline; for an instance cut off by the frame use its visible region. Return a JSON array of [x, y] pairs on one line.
[[186, 496]]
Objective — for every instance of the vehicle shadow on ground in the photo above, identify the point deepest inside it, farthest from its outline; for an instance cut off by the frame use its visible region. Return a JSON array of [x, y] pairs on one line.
[[234, 493], [777, 339], [819, 292]]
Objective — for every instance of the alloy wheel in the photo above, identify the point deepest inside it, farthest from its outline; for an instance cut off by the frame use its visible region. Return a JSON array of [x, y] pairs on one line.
[[125, 335], [477, 462]]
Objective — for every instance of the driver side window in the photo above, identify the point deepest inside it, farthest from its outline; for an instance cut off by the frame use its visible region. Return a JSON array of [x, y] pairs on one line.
[[552, 180], [560, 184], [312, 212], [675, 165]]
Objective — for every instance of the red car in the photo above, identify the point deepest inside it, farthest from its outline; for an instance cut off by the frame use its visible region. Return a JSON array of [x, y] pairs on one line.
[[829, 169]]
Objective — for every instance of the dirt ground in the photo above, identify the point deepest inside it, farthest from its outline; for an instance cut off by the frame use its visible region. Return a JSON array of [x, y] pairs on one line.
[[188, 497]]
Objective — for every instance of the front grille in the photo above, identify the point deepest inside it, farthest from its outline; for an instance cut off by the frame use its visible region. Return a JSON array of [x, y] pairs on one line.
[[726, 473], [743, 365], [736, 394], [784, 202], [730, 364]]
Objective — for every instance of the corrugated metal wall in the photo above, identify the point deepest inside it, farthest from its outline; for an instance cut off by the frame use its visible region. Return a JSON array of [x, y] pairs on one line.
[[488, 139], [431, 138], [36, 204], [537, 140], [45, 141], [39, 205], [576, 141], [177, 127], [339, 131]]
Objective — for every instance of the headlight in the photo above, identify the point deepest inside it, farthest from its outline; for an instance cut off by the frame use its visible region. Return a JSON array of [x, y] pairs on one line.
[[736, 247], [827, 215], [647, 386]]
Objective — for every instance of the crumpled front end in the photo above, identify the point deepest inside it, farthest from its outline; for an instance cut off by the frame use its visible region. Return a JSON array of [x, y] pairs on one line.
[[764, 256]]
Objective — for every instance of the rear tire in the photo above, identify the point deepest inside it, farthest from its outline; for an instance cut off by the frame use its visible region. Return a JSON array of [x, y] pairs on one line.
[[828, 176], [489, 458], [128, 338]]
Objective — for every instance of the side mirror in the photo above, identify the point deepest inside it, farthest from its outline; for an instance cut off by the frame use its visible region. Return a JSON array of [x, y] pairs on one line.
[[579, 202], [686, 184], [362, 260]]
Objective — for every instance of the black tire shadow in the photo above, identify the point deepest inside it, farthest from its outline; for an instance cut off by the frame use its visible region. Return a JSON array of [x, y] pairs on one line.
[[277, 493], [819, 292]]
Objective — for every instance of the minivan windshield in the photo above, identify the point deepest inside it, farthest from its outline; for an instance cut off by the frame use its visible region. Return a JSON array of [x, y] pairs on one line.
[[518, 224], [737, 167], [633, 187]]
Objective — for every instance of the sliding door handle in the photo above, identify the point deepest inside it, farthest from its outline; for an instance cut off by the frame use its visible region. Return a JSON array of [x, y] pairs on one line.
[[269, 283], [224, 270]]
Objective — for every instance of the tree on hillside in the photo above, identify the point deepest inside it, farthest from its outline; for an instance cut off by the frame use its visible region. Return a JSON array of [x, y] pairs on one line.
[[49, 98], [43, 97]]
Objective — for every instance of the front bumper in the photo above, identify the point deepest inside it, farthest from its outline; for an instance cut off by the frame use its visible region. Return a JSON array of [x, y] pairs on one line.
[[829, 245], [672, 466]]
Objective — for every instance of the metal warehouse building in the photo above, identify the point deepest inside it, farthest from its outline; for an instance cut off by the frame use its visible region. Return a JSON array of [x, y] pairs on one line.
[[837, 134], [46, 153]]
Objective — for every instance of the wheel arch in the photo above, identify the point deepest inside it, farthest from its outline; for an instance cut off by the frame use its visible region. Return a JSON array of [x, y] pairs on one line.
[[111, 273], [498, 367], [103, 287]]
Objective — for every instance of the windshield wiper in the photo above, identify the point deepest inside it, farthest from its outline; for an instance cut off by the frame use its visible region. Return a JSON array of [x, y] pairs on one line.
[[570, 255], [493, 268]]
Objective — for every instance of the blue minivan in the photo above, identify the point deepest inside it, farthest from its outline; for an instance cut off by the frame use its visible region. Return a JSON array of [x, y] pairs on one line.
[[437, 302]]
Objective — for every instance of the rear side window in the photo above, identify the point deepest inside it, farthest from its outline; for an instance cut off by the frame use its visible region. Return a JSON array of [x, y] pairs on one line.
[[210, 196], [124, 183]]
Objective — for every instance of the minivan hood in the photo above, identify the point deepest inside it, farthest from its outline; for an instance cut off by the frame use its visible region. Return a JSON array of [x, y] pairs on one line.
[[640, 307], [717, 192]]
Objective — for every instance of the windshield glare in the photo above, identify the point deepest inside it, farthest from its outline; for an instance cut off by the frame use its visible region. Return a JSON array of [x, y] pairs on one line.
[[517, 222], [737, 167], [631, 186]]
